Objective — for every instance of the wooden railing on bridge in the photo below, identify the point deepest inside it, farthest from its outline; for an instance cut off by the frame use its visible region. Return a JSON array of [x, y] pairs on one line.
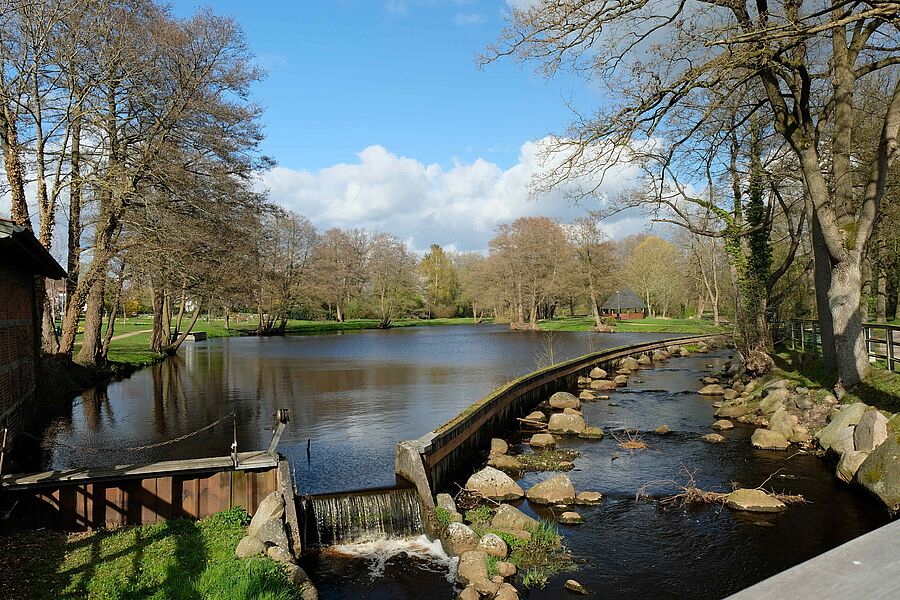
[[882, 340]]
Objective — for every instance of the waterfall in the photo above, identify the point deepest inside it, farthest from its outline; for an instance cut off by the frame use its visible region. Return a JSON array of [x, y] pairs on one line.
[[361, 516]]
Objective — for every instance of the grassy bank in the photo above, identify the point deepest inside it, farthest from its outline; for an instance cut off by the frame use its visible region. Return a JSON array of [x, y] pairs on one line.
[[650, 325], [880, 388], [177, 559]]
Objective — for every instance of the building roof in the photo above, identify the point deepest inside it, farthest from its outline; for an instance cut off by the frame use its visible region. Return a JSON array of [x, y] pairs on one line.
[[622, 300], [20, 248]]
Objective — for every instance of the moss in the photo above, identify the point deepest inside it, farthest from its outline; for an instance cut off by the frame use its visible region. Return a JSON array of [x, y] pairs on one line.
[[547, 460], [873, 475]]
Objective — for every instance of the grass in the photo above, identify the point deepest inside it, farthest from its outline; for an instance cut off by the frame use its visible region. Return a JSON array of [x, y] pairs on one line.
[[650, 324], [179, 560], [880, 388], [546, 460]]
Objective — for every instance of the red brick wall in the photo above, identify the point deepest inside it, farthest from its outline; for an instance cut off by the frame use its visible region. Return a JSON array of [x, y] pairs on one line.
[[17, 346]]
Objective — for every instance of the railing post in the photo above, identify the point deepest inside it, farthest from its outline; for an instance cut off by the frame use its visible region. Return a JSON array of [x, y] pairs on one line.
[[890, 348], [793, 330], [802, 336]]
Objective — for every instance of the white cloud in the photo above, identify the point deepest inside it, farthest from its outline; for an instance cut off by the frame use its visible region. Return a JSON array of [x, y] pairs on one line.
[[468, 19], [460, 206], [522, 4]]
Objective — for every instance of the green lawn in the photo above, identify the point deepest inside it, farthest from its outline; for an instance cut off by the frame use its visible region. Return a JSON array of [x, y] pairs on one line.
[[179, 560], [697, 326]]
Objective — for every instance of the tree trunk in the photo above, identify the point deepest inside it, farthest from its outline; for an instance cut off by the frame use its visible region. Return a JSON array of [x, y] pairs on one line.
[[822, 277], [15, 171], [227, 318], [849, 345], [91, 352], [881, 299], [49, 339], [157, 336], [595, 310], [172, 348]]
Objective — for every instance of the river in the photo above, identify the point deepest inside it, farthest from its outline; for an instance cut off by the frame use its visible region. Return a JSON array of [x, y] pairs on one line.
[[352, 396]]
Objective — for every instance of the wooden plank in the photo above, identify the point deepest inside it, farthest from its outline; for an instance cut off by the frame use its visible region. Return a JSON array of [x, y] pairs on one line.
[[247, 460], [113, 513], [165, 507], [864, 567], [240, 489], [148, 500]]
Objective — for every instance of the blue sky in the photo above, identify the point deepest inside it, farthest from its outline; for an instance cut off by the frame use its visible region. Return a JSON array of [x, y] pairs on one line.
[[347, 74]]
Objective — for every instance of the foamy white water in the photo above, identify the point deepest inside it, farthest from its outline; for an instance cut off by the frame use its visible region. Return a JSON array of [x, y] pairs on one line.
[[430, 554]]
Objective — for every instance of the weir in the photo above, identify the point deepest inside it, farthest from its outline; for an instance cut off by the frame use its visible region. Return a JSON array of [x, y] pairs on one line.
[[360, 516]]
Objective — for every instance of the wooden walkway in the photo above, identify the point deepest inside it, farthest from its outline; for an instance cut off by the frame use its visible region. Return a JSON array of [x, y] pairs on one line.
[[867, 567]]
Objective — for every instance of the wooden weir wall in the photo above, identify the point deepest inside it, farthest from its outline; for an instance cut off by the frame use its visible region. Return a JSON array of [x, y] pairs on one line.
[[436, 460], [92, 498]]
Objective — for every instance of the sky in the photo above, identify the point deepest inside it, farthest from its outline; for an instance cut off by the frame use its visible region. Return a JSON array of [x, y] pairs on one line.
[[378, 116]]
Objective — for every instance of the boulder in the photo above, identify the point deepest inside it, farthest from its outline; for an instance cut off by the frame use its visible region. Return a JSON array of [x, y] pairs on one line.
[[571, 411], [591, 433], [713, 438], [871, 431], [800, 435], [272, 533], [732, 411], [556, 490], [510, 517], [630, 363], [880, 472], [574, 586], [583, 381], [570, 518], [305, 587], [272, 506], [566, 424], [537, 416], [603, 384], [493, 545], [469, 593], [588, 498], [519, 534], [506, 591], [249, 546], [279, 554], [662, 430], [849, 465], [505, 462], [587, 396], [844, 442], [710, 380], [494, 484], [730, 394], [472, 567], [848, 416], [597, 373], [774, 400], [803, 402], [561, 400], [620, 380], [769, 440], [542, 440], [783, 422], [776, 384], [722, 425], [753, 500], [673, 350], [505, 569], [712, 389], [623, 371], [644, 360], [499, 446], [446, 502], [659, 356], [459, 539]]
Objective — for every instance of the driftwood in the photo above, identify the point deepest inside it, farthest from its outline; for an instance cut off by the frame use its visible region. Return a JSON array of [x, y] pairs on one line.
[[532, 423]]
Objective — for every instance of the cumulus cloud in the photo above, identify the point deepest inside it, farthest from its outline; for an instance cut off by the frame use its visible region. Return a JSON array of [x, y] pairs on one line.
[[458, 207], [468, 19]]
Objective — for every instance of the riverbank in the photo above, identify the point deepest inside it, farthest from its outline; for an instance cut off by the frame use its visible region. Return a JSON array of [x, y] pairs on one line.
[[178, 559], [648, 325]]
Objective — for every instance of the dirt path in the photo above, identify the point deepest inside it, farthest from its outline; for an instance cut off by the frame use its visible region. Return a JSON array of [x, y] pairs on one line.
[[129, 334]]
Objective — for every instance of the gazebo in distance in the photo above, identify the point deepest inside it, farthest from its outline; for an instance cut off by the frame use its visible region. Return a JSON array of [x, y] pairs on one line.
[[624, 304]]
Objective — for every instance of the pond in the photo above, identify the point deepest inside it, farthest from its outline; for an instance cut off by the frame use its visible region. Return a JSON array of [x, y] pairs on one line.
[[353, 396]]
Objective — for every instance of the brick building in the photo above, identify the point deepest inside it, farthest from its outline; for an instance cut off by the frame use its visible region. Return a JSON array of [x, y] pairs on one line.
[[22, 259]]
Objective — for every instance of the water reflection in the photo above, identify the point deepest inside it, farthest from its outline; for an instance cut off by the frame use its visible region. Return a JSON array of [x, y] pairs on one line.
[[352, 396]]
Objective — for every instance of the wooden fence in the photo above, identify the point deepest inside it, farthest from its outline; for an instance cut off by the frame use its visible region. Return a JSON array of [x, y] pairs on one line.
[[882, 340], [92, 498]]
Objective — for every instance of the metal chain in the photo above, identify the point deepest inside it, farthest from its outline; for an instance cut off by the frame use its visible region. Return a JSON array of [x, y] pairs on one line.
[[134, 448]]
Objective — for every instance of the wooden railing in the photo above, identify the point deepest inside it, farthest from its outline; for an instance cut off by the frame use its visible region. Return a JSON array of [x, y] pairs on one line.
[[882, 340]]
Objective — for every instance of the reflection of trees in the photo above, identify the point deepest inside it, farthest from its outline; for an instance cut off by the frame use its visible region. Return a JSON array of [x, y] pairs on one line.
[[169, 398], [93, 402]]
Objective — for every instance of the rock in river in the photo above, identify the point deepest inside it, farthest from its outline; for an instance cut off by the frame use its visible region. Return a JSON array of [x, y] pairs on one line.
[[537, 416], [566, 424], [871, 431], [494, 545], [499, 446], [591, 433], [754, 500], [713, 438], [880, 473], [597, 373], [849, 465], [603, 384], [588, 498], [561, 400], [505, 462], [848, 416], [459, 539], [769, 440], [510, 517], [494, 484], [472, 567], [722, 425], [570, 518], [556, 490], [543, 440], [574, 586], [713, 389]]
